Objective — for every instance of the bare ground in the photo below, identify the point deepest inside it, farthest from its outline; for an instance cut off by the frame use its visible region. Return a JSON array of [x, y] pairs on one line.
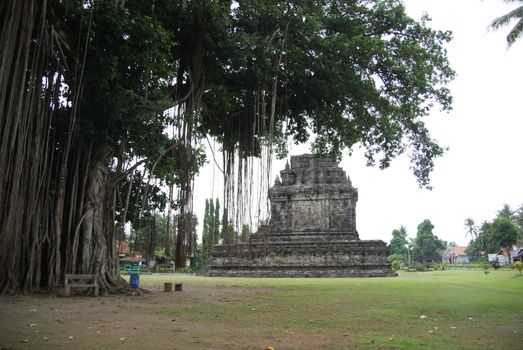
[[118, 322]]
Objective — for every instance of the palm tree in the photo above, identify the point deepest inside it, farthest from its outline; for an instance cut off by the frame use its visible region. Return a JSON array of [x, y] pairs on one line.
[[517, 14], [472, 230], [506, 212]]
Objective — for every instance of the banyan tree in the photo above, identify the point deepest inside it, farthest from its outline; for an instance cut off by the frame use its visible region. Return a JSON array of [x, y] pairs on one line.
[[98, 97]]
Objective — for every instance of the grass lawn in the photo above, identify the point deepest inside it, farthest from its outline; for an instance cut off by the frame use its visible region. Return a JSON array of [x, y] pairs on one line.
[[463, 310]]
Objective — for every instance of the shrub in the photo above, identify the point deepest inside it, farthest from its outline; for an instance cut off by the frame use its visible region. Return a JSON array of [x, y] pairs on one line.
[[419, 267], [519, 265], [396, 257], [396, 265], [441, 267], [431, 266], [186, 269]]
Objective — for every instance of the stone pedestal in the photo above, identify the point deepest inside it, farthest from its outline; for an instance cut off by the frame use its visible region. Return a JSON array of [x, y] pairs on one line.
[[312, 231]]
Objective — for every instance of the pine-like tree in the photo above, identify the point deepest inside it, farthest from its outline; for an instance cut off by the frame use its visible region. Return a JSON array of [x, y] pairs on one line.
[[216, 223], [206, 234]]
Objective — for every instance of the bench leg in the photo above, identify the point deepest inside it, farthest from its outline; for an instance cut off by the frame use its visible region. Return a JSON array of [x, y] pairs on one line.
[[67, 291], [96, 290]]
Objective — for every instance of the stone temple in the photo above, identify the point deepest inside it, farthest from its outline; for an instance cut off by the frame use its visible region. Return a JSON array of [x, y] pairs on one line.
[[312, 230]]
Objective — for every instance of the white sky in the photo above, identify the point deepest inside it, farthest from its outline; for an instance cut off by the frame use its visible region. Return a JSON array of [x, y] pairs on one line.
[[483, 168]]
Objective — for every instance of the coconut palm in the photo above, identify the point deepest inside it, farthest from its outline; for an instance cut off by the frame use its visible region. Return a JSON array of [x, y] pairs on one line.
[[472, 230], [507, 212], [517, 14]]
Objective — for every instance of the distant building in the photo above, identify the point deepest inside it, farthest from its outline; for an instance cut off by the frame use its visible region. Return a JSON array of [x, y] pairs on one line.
[[517, 254], [123, 249], [455, 255], [503, 258]]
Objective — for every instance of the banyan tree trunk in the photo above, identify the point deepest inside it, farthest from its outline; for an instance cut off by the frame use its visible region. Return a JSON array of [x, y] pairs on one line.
[[56, 194], [98, 253], [24, 170]]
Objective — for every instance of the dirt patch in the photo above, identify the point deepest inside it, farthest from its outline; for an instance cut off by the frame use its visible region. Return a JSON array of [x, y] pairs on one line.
[[147, 321]]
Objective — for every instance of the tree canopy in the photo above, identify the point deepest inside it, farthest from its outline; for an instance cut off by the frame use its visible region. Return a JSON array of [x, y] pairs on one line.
[[427, 246], [350, 72], [399, 248], [399, 241], [85, 86], [502, 232]]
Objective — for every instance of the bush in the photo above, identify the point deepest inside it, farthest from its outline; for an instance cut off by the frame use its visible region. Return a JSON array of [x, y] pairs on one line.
[[187, 269], [396, 265], [430, 266], [164, 268], [441, 267], [396, 257], [419, 267], [519, 265]]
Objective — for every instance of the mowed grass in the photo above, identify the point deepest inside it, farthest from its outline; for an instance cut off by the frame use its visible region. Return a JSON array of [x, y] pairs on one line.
[[463, 310]]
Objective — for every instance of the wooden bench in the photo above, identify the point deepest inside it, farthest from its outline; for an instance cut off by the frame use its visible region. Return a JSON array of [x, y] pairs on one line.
[[79, 281]]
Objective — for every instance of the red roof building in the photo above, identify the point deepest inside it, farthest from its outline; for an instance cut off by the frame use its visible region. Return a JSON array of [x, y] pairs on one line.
[[455, 255], [123, 248]]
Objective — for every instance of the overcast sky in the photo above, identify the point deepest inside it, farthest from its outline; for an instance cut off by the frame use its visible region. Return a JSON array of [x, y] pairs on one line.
[[483, 168]]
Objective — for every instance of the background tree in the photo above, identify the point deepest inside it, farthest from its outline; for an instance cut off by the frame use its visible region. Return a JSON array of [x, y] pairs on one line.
[[206, 230], [507, 212], [211, 230], [149, 238], [215, 232], [245, 234], [482, 244], [472, 230], [518, 220], [228, 234], [488, 242], [427, 246], [516, 16], [398, 245], [503, 233], [398, 241]]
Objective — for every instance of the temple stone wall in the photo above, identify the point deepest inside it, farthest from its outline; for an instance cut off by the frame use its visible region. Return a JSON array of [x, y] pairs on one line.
[[313, 195], [312, 231]]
